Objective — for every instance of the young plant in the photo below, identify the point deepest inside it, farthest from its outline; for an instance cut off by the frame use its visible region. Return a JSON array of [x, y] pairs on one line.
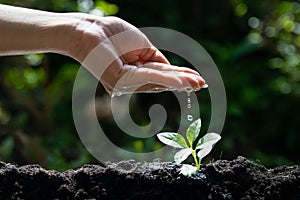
[[197, 148]]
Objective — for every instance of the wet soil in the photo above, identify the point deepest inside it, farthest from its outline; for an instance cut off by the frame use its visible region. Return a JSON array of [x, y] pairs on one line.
[[235, 179]]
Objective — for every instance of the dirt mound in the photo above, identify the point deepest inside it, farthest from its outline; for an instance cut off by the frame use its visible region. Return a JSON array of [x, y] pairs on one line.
[[236, 179]]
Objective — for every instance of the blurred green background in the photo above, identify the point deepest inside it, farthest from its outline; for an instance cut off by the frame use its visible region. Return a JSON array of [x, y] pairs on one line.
[[255, 44]]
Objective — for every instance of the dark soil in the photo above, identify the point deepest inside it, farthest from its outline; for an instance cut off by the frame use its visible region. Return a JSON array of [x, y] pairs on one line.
[[236, 179]]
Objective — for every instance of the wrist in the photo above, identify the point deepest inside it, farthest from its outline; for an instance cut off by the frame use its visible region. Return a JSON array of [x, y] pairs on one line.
[[62, 35], [83, 33]]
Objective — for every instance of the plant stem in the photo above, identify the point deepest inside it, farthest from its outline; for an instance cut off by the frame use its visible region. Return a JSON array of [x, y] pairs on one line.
[[196, 159]]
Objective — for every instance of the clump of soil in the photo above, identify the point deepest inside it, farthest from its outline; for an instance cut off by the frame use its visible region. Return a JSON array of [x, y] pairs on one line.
[[236, 179]]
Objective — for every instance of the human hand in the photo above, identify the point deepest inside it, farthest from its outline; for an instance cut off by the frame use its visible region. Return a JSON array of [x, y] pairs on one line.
[[116, 52], [125, 61]]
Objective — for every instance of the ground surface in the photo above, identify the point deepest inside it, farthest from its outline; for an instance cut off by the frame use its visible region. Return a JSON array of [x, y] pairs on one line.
[[236, 179]]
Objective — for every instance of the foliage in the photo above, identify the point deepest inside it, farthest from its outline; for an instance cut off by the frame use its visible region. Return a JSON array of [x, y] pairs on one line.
[[198, 149], [280, 32]]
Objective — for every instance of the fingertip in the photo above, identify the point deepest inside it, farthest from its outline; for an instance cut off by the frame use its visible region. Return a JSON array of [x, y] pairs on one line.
[[205, 86], [196, 82], [159, 57], [162, 58]]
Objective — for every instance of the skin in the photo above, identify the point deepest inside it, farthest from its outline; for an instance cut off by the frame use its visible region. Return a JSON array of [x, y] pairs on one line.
[[118, 60]]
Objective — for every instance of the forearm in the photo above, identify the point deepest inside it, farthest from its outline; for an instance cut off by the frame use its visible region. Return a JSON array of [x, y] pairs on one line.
[[24, 31]]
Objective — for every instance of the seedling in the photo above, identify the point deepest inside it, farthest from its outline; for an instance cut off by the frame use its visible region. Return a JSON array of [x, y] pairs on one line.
[[197, 148]]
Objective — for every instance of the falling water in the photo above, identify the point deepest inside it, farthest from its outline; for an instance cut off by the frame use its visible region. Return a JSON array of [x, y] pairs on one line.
[[189, 104]]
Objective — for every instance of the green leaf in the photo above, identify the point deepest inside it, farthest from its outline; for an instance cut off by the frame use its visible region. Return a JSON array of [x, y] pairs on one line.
[[205, 150], [205, 144], [188, 170], [182, 155], [208, 139], [172, 139], [193, 131]]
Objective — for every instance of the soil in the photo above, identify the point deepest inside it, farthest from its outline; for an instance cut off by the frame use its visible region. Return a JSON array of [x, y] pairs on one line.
[[236, 179]]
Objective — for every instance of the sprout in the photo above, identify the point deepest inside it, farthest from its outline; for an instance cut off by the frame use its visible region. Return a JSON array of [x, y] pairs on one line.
[[190, 147]]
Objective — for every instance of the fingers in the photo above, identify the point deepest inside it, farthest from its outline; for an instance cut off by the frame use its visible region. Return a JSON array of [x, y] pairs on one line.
[[136, 77], [166, 67], [153, 55], [186, 75], [156, 80]]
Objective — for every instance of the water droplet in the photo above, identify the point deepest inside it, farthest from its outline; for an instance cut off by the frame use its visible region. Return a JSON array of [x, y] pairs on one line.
[[116, 94], [157, 89], [190, 117], [188, 89], [189, 100], [189, 106]]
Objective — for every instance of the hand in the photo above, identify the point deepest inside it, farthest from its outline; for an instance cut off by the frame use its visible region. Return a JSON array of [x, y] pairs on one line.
[[125, 61], [116, 52]]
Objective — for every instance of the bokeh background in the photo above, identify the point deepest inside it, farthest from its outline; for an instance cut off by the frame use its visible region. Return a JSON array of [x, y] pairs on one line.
[[255, 45]]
